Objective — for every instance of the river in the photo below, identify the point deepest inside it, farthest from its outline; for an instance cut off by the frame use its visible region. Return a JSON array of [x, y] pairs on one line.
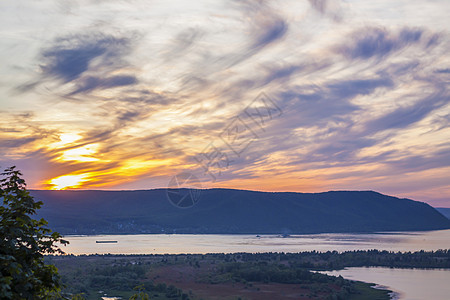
[[407, 284], [212, 243]]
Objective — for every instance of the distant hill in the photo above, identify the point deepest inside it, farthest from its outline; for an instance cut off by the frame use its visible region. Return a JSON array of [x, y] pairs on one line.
[[234, 211], [444, 210]]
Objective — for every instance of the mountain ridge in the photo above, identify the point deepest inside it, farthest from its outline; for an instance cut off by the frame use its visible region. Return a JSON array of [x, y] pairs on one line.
[[445, 211], [225, 211]]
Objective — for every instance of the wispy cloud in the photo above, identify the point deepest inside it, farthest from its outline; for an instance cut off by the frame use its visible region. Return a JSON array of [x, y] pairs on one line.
[[374, 42], [404, 116], [127, 95], [73, 55], [90, 83]]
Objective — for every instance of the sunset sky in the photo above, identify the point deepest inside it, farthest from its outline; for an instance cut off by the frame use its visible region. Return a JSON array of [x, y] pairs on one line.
[[304, 96]]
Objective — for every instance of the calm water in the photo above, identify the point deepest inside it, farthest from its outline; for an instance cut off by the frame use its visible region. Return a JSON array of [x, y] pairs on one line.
[[408, 284], [187, 243]]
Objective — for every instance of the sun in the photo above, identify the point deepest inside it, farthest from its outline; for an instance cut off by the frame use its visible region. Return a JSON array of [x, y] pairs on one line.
[[67, 181]]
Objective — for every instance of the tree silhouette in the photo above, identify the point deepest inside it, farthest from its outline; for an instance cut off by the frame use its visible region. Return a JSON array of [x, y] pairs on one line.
[[24, 242]]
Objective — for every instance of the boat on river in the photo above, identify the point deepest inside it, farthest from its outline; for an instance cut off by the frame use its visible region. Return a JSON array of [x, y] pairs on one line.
[[105, 242]]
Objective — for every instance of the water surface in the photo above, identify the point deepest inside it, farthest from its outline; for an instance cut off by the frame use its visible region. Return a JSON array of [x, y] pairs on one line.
[[408, 284], [213, 243]]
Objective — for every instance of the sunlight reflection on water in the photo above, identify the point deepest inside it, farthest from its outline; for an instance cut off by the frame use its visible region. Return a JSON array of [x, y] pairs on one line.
[[213, 243]]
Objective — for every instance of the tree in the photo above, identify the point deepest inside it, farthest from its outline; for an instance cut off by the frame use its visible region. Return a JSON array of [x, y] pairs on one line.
[[139, 295], [23, 243]]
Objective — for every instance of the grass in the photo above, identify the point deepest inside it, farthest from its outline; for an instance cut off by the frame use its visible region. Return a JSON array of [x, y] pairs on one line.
[[365, 291]]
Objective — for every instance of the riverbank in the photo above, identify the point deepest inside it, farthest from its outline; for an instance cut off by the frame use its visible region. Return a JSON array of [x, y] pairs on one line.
[[211, 276], [270, 275], [234, 276]]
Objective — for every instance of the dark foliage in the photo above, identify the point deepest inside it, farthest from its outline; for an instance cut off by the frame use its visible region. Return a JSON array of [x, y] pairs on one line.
[[23, 243]]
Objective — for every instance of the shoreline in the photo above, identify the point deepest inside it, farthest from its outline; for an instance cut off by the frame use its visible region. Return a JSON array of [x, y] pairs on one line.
[[292, 235]]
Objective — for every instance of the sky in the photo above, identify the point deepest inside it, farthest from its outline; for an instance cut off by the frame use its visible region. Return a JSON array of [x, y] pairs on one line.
[[304, 96]]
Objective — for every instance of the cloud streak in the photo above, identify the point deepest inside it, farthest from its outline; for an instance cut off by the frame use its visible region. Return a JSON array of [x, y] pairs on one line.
[[125, 96], [71, 56], [374, 42]]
